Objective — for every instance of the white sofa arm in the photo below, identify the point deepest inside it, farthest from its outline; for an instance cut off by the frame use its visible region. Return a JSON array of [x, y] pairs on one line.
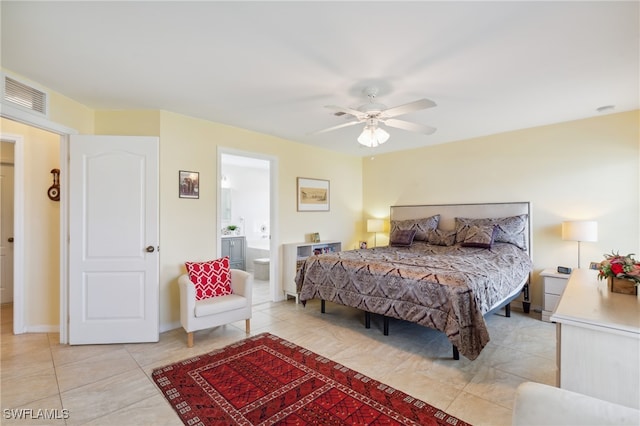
[[242, 283], [187, 297], [541, 405]]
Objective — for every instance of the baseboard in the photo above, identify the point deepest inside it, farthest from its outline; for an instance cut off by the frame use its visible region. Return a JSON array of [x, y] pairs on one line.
[[44, 328], [169, 326], [56, 328]]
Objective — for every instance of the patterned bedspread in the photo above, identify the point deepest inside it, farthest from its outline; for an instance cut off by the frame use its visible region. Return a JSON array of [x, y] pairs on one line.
[[445, 288]]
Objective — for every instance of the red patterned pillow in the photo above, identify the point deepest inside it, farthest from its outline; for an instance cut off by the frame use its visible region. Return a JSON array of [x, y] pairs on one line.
[[211, 278]]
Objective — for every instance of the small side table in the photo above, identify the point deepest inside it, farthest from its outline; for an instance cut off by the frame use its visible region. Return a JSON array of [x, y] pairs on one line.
[[553, 284]]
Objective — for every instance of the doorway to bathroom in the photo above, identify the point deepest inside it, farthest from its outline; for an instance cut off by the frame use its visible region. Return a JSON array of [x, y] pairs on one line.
[[246, 212]]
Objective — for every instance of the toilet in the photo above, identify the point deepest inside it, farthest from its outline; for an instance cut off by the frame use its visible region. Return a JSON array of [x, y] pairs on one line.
[[261, 269]]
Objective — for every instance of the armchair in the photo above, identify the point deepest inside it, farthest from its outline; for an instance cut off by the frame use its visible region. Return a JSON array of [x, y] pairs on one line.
[[207, 313], [539, 405]]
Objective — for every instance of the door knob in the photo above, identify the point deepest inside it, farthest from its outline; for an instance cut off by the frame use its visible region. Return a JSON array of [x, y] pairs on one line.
[[10, 239], [150, 249]]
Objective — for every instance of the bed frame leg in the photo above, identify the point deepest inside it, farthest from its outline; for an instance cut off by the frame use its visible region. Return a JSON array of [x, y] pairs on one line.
[[367, 319], [385, 327], [456, 354], [507, 310], [526, 303], [322, 306]]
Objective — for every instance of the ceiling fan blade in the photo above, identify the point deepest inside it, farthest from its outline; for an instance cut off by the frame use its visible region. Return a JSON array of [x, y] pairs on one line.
[[412, 127], [407, 108], [339, 126], [350, 111]]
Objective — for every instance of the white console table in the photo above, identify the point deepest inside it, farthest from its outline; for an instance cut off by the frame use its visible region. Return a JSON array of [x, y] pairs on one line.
[[294, 255], [598, 340]]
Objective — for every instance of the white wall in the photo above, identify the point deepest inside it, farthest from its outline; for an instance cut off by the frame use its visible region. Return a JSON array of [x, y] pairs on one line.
[[585, 169], [187, 230], [249, 188], [41, 227]]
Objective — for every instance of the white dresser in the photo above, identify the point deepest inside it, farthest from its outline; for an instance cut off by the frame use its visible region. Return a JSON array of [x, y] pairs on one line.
[[598, 332]]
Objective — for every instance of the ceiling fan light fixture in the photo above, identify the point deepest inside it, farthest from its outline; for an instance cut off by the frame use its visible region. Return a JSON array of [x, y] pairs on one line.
[[373, 136]]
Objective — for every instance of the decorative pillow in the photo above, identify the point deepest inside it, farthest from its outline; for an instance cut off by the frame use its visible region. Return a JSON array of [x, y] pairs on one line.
[[402, 237], [421, 226], [441, 237], [480, 236], [508, 229], [211, 278]]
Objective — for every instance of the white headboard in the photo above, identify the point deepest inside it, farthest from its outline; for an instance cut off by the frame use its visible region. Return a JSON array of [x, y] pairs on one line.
[[448, 213]]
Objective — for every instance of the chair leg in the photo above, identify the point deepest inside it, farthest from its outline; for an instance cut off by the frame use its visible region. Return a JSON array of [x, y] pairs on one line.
[[190, 339], [247, 324]]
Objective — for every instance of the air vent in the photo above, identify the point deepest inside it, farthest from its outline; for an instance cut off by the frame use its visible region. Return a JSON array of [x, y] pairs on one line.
[[24, 96]]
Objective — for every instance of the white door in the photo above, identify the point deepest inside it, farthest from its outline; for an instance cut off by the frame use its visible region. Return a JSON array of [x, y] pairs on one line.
[[6, 225], [113, 241]]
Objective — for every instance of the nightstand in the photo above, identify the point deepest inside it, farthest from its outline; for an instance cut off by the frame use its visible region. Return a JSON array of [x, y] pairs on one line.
[[553, 285]]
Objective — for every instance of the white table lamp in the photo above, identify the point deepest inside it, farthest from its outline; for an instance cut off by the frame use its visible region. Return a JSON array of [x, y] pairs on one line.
[[375, 226], [580, 230]]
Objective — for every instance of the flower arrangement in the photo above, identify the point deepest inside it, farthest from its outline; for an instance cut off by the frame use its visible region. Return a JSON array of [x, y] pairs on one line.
[[615, 265]]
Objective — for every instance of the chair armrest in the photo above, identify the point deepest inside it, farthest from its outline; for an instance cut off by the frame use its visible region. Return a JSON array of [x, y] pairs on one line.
[[538, 405], [241, 283], [187, 292], [187, 301]]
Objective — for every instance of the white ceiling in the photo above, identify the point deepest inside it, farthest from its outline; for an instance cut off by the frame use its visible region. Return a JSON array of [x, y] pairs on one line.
[[271, 67]]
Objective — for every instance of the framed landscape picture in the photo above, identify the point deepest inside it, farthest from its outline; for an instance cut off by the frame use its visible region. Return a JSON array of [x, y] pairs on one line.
[[313, 195]]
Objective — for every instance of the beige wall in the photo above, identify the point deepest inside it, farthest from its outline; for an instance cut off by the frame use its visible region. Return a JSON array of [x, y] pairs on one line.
[[188, 227], [41, 226], [586, 169], [42, 216], [70, 113], [130, 123]]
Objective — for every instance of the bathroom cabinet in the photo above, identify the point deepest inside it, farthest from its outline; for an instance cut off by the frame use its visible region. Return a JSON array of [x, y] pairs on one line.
[[235, 248]]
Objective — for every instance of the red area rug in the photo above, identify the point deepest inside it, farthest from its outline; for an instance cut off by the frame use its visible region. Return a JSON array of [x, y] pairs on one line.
[[266, 380]]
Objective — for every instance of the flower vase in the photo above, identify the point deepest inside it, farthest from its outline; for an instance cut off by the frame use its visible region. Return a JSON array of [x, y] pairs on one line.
[[622, 286]]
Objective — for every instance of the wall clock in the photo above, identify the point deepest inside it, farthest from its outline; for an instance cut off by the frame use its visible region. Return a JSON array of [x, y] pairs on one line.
[[54, 190]]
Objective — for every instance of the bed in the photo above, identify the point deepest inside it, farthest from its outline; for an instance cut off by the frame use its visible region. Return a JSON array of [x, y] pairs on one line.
[[446, 276]]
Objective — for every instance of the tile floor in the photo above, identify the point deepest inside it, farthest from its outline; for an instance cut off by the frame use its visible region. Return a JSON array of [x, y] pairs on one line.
[[261, 292], [111, 384]]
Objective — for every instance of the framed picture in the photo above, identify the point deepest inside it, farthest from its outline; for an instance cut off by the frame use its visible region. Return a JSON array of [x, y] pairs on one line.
[[189, 184], [315, 237], [313, 195]]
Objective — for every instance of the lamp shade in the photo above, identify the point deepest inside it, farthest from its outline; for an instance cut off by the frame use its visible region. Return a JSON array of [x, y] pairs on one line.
[[580, 230], [375, 225], [373, 136]]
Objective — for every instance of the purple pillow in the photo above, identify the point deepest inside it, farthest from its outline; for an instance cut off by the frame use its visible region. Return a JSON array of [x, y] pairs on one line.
[[402, 237], [422, 226], [480, 236], [439, 237], [512, 230]]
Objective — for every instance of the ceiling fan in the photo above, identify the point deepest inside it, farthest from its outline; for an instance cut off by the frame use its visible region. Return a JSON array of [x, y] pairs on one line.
[[373, 114]]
